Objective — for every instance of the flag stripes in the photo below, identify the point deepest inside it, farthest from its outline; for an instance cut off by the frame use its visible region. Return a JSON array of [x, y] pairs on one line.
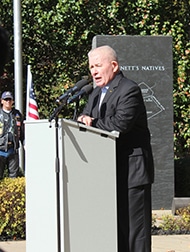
[[32, 107]]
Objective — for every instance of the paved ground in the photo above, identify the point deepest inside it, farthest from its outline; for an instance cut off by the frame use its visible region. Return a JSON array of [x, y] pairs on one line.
[[13, 246], [160, 243], [171, 243]]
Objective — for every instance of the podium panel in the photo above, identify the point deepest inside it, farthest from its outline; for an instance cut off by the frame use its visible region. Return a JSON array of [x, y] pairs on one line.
[[88, 208], [41, 231], [89, 162]]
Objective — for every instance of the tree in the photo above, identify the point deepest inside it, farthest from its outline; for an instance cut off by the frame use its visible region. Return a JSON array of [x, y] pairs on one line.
[[57, 34]]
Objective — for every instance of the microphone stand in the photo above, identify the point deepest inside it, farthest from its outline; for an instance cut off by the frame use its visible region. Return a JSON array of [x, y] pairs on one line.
[[57, 170], [76, 110]]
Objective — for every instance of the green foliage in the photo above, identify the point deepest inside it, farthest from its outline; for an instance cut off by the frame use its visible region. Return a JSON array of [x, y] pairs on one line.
[[185, 215], [179, 222], [12, 208], [57, 34], [170, 222]]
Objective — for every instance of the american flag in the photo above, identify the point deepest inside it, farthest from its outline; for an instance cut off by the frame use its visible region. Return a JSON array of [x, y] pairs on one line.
[[31, 106]]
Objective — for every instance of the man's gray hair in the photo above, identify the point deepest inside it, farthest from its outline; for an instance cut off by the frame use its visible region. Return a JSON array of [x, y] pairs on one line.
[[106, 50]]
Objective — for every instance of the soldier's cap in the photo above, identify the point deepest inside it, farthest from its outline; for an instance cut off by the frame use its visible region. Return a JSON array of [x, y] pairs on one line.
[[6, 95]]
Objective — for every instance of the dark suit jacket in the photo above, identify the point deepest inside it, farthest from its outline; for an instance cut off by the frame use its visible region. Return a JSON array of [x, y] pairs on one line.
[[123, 110]]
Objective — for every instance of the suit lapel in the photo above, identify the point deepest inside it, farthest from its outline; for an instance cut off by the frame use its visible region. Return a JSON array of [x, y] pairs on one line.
[[112, 86], [96, 97], [95, 105]]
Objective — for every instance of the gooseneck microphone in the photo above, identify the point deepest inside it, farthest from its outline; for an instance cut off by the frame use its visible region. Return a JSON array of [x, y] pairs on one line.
[[73, 90], [84, 91]]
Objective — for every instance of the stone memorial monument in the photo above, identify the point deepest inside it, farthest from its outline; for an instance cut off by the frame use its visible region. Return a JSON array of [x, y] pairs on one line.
[[148, 61]]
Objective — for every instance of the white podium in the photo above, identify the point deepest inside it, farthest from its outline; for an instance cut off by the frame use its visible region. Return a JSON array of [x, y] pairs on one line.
[[87, 177]]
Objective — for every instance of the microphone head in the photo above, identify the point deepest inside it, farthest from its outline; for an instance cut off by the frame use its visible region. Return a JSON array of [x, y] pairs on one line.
[[82, 83], [74, 89], [84, 91], [87, 89]]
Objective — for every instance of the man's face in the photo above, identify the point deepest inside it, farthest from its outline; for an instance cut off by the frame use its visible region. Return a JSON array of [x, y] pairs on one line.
[[102, 68], [7, 104]]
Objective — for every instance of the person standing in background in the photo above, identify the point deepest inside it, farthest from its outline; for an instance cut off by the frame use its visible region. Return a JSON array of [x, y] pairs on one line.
[[116, 104], [11, 133]]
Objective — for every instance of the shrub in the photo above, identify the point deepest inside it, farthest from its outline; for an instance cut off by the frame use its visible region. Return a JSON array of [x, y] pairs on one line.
[[185, 216], [12, 208], [170, 224]]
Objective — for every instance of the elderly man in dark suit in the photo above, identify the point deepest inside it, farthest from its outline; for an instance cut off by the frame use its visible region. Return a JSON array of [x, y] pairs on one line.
[[117, 104]]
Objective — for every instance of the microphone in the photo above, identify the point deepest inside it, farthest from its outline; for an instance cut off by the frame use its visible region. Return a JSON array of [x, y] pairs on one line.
[[74, 89], [84, 91]]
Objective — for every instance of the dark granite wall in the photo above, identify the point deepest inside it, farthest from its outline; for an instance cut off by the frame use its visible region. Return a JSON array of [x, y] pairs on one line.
[[148, 61]]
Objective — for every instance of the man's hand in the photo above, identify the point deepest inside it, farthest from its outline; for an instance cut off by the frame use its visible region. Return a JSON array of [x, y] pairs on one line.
[[87, 120]]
